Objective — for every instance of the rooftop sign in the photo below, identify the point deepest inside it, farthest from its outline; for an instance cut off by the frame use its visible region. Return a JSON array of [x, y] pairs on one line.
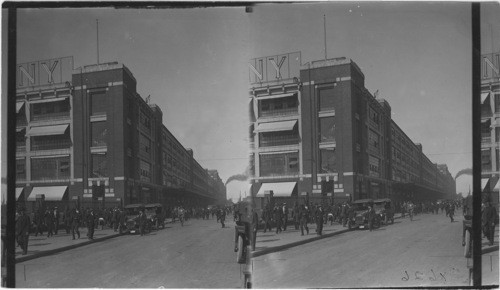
[[490, 66], [274, 68], [44, 72]]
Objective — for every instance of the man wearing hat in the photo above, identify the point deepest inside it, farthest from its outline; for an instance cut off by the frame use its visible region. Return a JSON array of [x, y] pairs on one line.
[[56, 220], [23, 230]]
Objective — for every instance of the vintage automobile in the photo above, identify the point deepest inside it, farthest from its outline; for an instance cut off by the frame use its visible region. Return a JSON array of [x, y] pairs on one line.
[[155, 215], [361, 214], [132, 212], [383, 208]]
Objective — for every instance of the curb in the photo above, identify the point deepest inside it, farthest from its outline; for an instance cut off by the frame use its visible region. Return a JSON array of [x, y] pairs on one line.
[[62, 249], [294, 244], [65, 248]]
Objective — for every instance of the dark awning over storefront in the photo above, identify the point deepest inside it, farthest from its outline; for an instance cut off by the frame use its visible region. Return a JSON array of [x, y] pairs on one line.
[[280, 189]]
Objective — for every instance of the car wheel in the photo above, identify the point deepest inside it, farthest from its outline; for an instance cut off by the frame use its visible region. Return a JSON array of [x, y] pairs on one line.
[[240, 254]]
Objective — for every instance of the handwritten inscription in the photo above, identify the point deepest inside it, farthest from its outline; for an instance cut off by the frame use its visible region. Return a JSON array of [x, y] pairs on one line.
[[420, 276]]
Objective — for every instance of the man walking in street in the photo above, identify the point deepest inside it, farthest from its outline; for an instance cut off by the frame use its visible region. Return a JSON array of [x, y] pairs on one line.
[[295, 216], [255, 226], [303, 214], [343, 215], [23, 224], [371, 217], [319, 220], [451, 211], [142, 222], [75, 223], [49, 222], [90, 225], [222, 217], [278, 216], [488, 221], [267, 219]]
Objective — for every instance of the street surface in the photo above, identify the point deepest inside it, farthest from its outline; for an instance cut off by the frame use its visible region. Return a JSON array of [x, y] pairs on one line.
[[425, 252], [198, 255]]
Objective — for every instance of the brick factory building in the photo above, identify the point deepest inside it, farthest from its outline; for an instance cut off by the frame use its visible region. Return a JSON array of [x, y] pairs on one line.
[[316, 132], [490, 126], [86, 137]]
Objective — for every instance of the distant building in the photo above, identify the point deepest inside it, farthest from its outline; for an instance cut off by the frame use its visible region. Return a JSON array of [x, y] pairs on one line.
[[317, 134], [86, 137], [490, 125]]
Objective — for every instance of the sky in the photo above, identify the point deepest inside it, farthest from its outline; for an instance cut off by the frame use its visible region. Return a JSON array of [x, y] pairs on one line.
[[193, 64]]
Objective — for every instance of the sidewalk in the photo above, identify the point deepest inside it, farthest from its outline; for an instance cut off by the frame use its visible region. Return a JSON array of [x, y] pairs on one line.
[[270, 242], [40, 246], [489, 260]]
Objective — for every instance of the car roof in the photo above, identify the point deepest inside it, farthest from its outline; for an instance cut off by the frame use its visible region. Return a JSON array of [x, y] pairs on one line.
[[135, 205], [363, 200], [153, 205]]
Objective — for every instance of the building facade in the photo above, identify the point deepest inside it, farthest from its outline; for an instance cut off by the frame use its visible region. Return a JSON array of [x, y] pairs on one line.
[[86, 137], [316, 133], [490, 125]]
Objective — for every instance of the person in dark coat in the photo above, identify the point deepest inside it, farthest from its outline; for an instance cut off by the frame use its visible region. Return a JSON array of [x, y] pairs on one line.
[[451, 211], [90, 225], [303, 215], [255, 226], [488, 218], [143, 219], [23, 224], [39, 218], [371, 217], [75, 222], [123, 221], [319, 220], [49, 222], [222, 217], [295, 216]]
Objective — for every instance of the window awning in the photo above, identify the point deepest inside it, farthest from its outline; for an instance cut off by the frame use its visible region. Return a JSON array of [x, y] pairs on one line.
[[19, 106], [484, 183], [48, 130], [497, 186], [280, 189], [52, 193], [19, 190], [276, 126], [484, 96]]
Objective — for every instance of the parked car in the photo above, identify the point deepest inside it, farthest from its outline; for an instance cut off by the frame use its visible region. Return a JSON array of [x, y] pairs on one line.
[[155, 215], [361, 214], [132, 221], [384, 209]]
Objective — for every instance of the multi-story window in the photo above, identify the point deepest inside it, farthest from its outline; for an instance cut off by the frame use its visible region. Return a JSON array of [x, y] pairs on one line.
[[50, 110], [252, 165], [497, 153], [374, 117], [279, 164], [278, 106], [98, 103], [328, 160], [497, 135], [373, 140], [374, 164], [327, 129], [486, 160], [21, 140], [145, 121], [279, 138], [145, 171], [99, 133], [144, 145], [99, 165], [51, 142], [326, 99], [50, 168], [20, 169]]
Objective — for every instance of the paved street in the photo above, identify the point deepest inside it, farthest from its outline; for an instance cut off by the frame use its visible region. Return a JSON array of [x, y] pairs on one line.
[[198, 255], [425, 252]]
